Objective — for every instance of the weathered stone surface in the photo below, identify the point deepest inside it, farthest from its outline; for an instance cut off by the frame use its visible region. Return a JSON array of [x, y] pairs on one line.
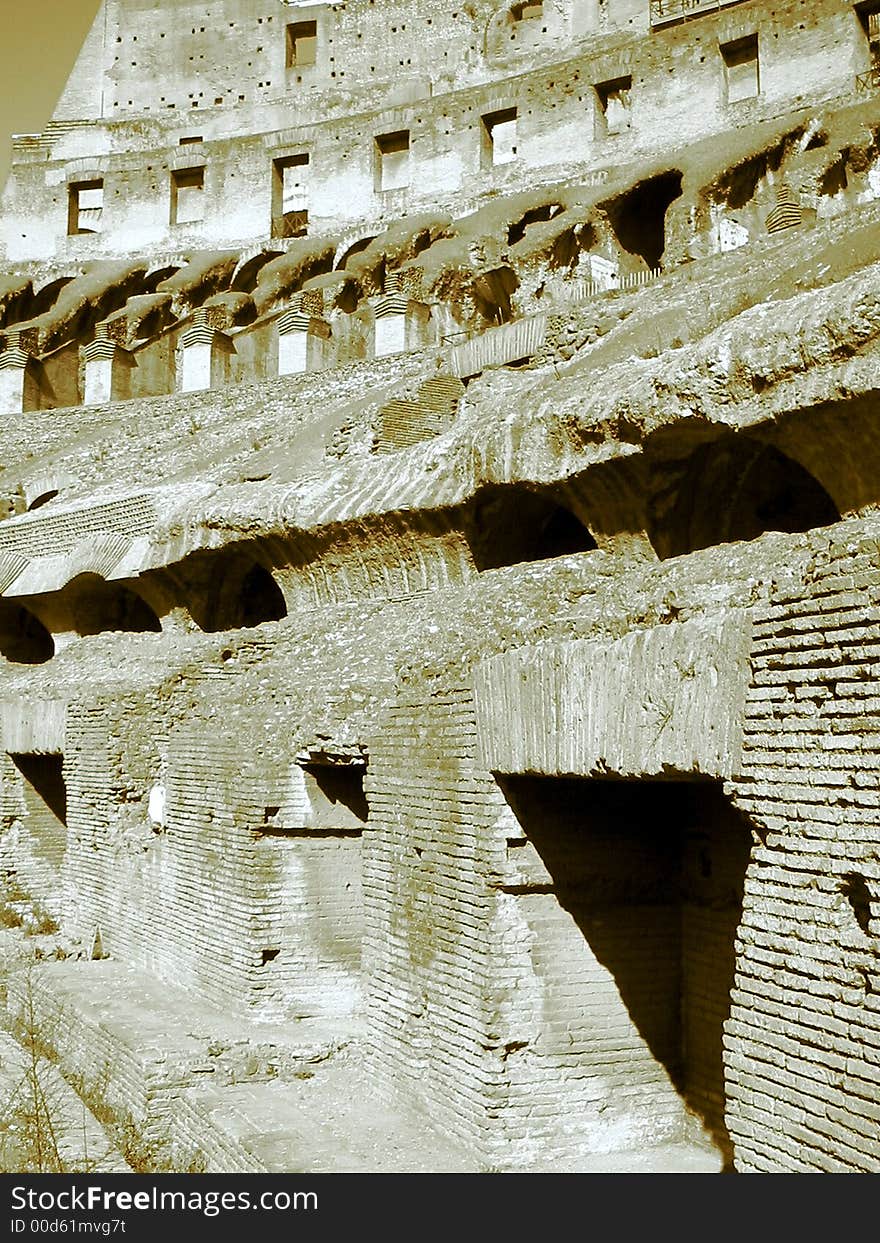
[[446, 652], [668, 700]]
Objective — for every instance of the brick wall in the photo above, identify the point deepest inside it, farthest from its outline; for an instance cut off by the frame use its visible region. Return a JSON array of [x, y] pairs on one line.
[[249, 913], [427, 910], [803, 1042]]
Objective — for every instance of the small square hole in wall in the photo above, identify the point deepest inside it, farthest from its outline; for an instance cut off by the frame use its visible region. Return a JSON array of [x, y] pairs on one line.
[[187, 195], [613, 115], [85, 207], [302, 44], [742, 76], [499, 143], [392, 161]]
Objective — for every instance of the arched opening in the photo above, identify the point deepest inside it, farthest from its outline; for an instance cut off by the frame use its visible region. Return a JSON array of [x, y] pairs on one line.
[[355, 249], [492, 293], [737, 489], [639, 216], [245, 278], [517, 230], [260, 599], [508, 526], [24, 639], [238, 593], [43, 498], [158, 275], [100, 606], [46, 297]]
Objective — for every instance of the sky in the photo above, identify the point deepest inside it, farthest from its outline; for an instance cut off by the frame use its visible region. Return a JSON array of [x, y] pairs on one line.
[[39, 45]]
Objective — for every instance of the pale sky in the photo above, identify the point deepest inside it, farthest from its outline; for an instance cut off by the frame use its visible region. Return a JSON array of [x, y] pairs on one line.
[[39, 45]]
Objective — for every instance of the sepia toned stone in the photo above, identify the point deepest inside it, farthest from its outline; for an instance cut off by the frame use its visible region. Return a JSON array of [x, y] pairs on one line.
[[440, 586]]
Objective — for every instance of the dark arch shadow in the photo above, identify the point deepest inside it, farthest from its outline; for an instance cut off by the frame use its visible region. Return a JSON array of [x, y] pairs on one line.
[[638, 216], [737, 488], [236, 593], [511, 525], [355, 249], [24, 640], [99, 606]]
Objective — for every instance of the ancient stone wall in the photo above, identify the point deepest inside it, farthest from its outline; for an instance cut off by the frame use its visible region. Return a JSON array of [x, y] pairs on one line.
[[677, 86], [803, 1036]]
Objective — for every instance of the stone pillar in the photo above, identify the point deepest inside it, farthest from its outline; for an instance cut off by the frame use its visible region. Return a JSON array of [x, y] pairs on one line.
[[204, 357], [401, 324], [303, 335], [19, 386], [106, 372]]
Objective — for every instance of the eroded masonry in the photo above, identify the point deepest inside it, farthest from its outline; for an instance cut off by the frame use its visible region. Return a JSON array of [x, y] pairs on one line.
[[440, 567]]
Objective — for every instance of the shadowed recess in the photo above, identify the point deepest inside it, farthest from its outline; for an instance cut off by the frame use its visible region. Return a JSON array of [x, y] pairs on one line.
[[100, 606], [24, 639], [736, 489], [232, 592], [638, 217], [45, 774], [508, 526], [652, 874]]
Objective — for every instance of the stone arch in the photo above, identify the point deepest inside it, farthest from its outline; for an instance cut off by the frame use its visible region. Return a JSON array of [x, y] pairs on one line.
[[736, 488], [348, 249], [638, 216], [99, 605], [24, 640], [511, 525], [231, 590]]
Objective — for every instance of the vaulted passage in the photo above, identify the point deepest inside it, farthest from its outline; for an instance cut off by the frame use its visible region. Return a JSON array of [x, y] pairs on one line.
[[639, 216], [235, 592], [634, 910], [100, 606], [23, 638], [508, 526], [736, 489]]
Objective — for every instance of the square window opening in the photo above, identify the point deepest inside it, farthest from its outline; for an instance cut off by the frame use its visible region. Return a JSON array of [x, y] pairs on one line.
[[392, 161], [742, 75], [614, 115], [290, 196], [499, 137], [188, 196], [302, 44], [529, 11], [85, 207]]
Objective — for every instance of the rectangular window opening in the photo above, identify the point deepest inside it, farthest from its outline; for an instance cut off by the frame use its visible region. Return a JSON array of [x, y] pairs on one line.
[[44, 775], [869, 17], [187, 195], [499, 137], [392, 161], [302, 44], [614, 105], [290, 196], [530, 11], [85, 207], [741, 71], [336, 796]]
